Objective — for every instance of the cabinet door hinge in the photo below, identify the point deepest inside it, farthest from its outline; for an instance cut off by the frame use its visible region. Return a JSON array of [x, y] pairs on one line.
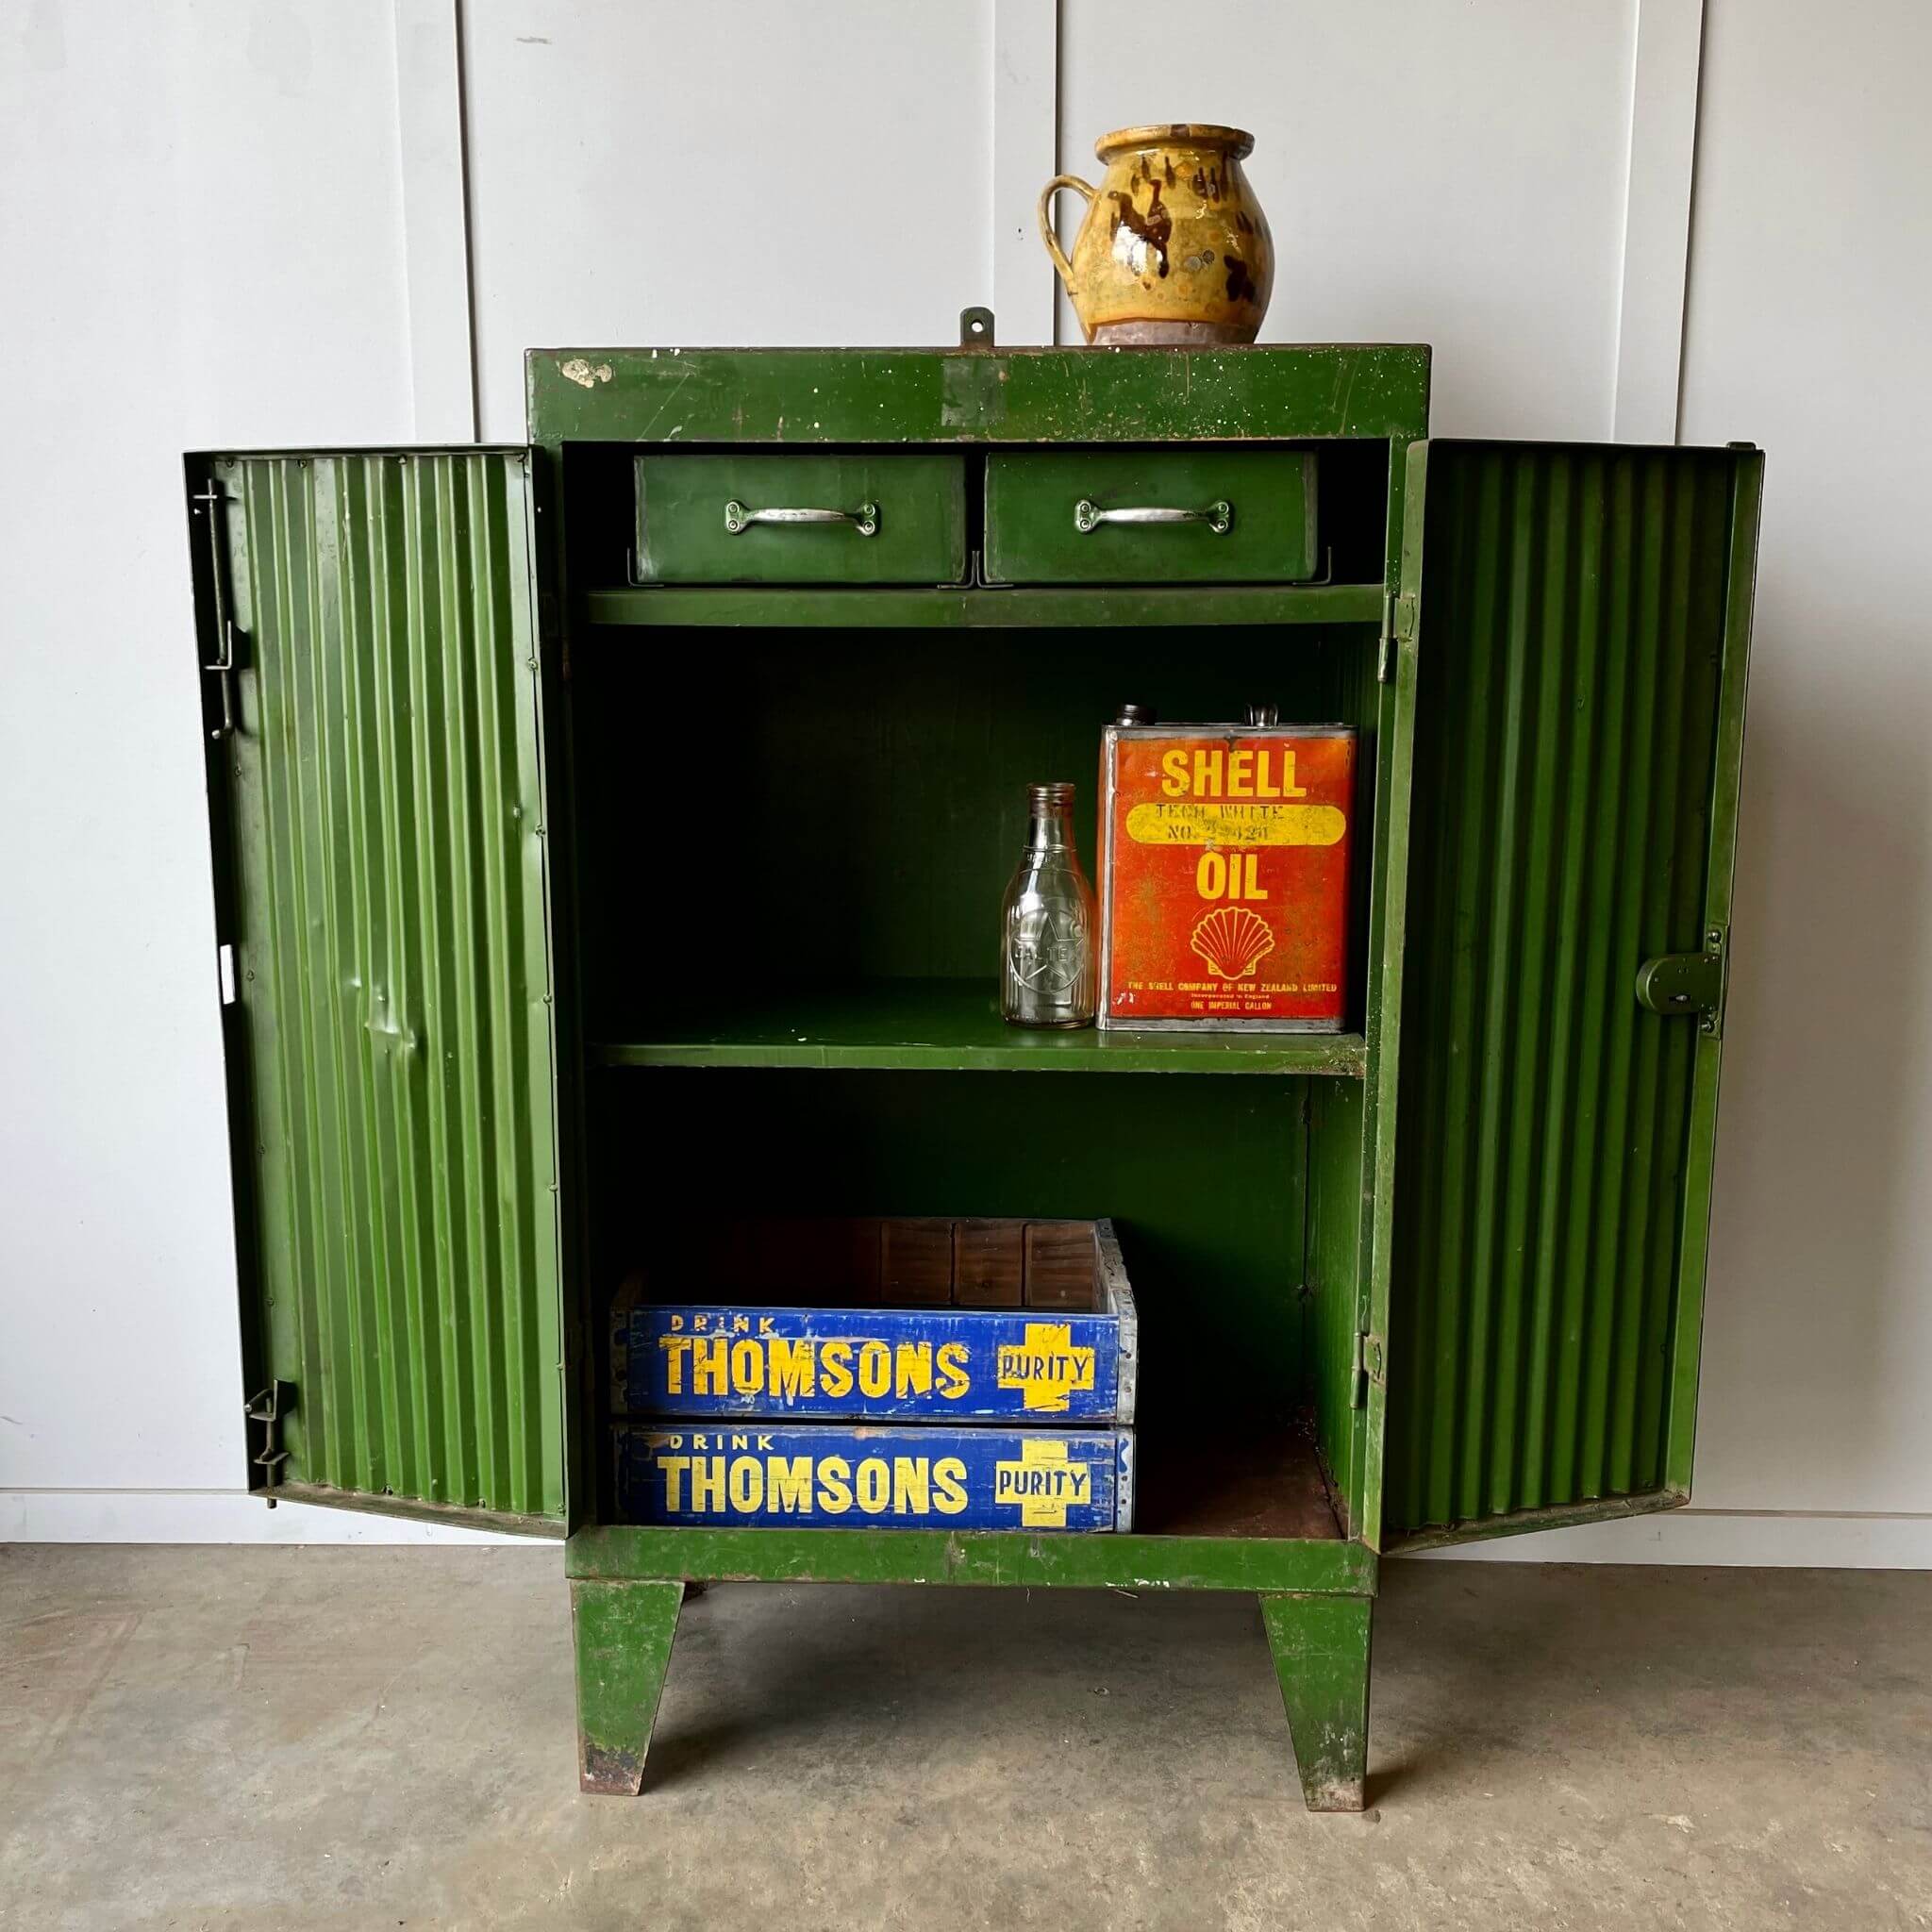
[[211, 503], [266, 1407], [1398, 627], [1681, 985], [1368, 1368]]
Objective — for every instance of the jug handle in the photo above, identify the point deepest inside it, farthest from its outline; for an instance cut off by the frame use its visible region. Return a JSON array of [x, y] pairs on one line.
[[1046, 233]]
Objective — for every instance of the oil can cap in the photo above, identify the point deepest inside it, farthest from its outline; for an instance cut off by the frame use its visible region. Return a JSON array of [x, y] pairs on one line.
[[1136, 714], [1264, 714]]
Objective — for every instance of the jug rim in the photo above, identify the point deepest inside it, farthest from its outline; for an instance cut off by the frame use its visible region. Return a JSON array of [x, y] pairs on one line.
[[1237, 142]]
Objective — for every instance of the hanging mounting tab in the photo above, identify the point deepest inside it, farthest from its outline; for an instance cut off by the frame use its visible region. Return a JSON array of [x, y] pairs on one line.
[[975, 328]]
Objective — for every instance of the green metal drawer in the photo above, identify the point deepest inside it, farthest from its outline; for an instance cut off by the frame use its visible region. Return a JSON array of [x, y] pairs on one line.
[[1197, 516], [786, 519]]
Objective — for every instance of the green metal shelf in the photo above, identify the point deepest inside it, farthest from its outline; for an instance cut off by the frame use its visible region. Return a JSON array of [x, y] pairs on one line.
[[969, 608], [952, 1026]]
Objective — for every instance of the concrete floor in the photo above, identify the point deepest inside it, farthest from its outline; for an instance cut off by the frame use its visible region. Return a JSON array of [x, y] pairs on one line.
[[296, 1738]]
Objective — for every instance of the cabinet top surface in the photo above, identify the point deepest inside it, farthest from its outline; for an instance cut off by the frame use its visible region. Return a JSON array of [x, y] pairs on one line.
[[786, 396]]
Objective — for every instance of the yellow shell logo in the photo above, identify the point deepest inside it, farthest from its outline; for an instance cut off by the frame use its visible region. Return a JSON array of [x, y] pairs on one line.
[[1233, 941]]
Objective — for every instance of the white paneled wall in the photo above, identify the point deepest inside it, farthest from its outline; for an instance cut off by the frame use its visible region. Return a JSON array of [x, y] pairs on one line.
[[295, 221], [1447, 175], [739, 171], [200, 244], [1810, 282], [1810, 265]]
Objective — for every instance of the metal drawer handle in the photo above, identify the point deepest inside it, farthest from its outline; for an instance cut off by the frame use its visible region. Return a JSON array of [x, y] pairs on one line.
[[1219, 517], [865, 518]]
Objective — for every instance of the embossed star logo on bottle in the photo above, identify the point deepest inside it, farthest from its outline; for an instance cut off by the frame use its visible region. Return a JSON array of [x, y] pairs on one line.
[[1050, 952]]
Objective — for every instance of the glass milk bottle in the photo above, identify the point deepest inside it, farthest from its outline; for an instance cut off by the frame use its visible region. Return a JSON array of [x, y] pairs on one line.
[[1048, 969]]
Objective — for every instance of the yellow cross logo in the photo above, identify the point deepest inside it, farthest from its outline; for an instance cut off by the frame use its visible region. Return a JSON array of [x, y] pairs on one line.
[[1043, 1483], [1046, 1366]]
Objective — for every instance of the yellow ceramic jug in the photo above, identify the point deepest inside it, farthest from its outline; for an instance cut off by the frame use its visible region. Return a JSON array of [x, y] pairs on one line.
[[1174, 248]]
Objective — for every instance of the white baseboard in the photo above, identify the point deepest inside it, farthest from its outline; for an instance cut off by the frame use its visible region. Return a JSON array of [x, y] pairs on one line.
[[1757, 1539], [208, 1516], [1749, 1539]]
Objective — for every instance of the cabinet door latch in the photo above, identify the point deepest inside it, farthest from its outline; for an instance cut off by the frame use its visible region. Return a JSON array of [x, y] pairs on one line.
[[1683, 986], [1368, 1368]]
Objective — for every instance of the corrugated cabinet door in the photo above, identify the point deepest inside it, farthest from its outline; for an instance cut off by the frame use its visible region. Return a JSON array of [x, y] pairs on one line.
[[1581, 617], [371, 696]]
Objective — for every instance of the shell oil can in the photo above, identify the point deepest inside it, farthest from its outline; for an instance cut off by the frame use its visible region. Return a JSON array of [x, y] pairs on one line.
[[1225, 862]]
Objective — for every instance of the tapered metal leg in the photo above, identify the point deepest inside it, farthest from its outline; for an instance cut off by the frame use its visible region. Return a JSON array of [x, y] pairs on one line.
[[1320, 1646], [623, 1632]]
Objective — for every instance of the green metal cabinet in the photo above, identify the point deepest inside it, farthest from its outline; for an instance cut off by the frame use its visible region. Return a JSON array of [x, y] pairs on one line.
[[553, 901]]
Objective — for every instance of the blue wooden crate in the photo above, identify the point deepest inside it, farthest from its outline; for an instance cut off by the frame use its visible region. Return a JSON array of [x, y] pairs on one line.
[[826, 1475], [746, 1360]]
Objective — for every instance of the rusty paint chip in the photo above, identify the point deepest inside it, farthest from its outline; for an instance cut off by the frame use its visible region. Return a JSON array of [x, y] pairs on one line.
[[610, 1772]]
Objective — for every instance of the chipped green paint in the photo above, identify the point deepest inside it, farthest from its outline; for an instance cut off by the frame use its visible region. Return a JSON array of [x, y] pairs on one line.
[[989, 1557], [1320, 1649], [624, 1633], [950, 396]]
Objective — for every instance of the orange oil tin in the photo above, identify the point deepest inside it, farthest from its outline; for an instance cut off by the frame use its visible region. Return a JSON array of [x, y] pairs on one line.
[[1225, 854]]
